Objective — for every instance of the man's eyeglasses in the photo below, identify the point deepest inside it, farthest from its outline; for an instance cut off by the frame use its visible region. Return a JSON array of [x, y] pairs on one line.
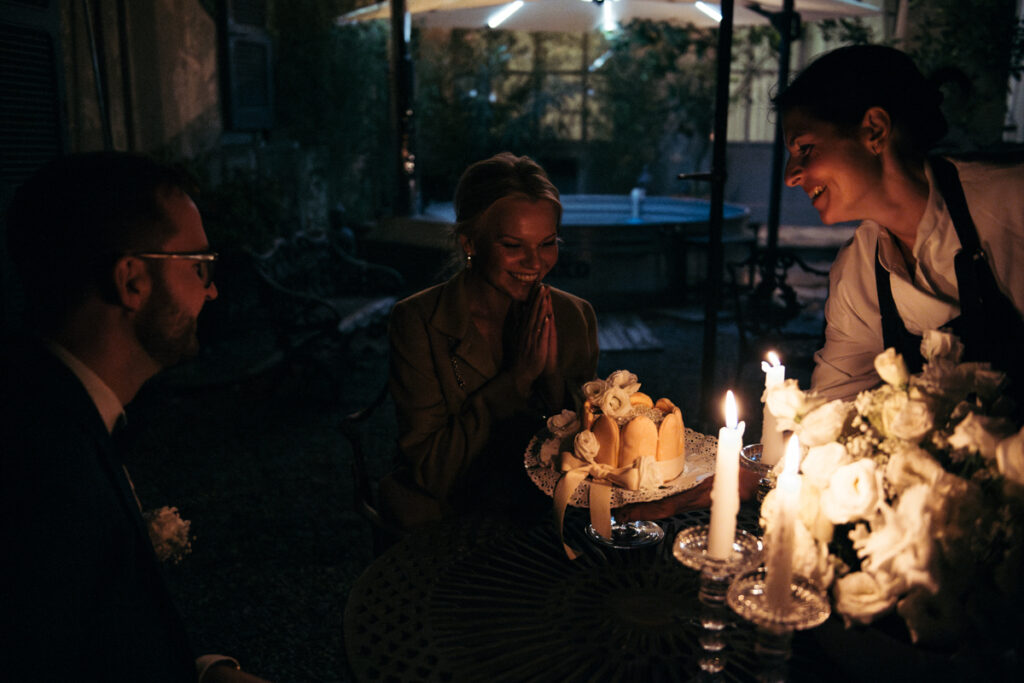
[[204, 261]]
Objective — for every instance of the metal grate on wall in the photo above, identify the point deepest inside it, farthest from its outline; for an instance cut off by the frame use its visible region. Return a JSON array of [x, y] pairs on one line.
[[30, 132]]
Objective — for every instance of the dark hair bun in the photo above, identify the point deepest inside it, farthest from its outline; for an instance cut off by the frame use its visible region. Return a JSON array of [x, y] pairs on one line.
[[841, 85]]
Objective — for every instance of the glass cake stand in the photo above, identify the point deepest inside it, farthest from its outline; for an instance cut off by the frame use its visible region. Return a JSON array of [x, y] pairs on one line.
[[628, 535]]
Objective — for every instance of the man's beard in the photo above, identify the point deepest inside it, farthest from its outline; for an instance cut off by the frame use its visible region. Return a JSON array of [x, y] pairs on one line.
[[165, 332]]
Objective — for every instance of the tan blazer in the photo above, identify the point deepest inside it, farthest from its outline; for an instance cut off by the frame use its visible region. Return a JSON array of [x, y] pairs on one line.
[[451, 398]]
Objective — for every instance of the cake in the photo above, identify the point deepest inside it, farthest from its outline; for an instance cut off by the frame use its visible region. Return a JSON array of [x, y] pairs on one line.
[[627, 424], [622, 442]]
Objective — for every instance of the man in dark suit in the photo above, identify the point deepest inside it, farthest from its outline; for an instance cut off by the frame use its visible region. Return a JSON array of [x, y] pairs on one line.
[[115, 267]]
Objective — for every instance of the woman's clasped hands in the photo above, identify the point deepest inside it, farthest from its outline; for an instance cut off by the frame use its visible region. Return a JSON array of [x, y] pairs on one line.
[[536, 340]]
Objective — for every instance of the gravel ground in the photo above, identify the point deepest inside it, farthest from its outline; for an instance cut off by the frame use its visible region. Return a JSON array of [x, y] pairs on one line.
[[262, 472]]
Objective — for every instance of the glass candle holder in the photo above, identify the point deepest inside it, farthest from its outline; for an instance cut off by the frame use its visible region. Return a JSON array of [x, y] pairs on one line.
[[691, 549], [750, 458], [808, 607]]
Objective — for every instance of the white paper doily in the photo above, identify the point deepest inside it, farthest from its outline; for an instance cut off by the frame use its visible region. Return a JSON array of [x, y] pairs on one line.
[[700, 464]]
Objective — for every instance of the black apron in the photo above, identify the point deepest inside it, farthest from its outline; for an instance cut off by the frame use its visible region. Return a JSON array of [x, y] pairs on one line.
[[989, 325]]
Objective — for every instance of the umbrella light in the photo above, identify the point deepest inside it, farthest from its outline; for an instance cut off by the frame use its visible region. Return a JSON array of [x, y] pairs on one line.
[[586, 15]]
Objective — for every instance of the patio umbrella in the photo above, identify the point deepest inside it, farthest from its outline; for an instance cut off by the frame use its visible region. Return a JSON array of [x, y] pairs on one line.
[[587, 15]]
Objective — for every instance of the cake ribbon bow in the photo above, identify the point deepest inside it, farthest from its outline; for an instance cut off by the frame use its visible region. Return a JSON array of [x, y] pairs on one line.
[[603, 477]]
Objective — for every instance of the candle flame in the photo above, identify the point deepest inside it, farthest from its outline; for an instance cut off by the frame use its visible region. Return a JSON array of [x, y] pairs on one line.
[[792, 464], [773, 361], [731, 416]]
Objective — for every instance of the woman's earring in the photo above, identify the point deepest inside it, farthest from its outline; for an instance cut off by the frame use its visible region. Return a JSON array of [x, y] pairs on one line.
[[469, 261]]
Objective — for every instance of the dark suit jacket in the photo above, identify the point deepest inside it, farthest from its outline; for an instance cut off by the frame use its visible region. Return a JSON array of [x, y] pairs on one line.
[[81, 592], [461, 421]]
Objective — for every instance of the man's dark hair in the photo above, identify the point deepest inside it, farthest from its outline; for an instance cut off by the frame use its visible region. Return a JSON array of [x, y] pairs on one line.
[[71, 220]]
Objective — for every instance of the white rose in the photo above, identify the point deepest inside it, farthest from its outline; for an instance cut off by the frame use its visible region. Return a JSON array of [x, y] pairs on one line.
[[822, 461], [586, 446], [900, 542], [563, 424], [941, 345], [911, 421], [978, 434], [615, 402], [823, 424], [594, 389], [788, 403], [1010, 457], [890, 406], [814, 520], [909, 466], [625, 380], [892, 368], [861, 598], [784, 399], [852, 493]]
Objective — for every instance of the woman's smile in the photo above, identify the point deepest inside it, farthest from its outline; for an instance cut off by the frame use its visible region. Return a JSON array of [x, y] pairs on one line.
[[526, 277]]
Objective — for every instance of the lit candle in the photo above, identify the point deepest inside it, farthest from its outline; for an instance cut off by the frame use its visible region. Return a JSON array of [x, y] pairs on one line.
[[725, 493], [781, 537], [771, 437]]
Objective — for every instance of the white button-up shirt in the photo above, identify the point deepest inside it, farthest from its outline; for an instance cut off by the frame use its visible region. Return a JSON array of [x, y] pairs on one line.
[[106, 401], [929, 297]]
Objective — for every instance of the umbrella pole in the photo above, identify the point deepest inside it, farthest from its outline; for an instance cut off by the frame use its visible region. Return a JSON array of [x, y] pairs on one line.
[[718, 174], [402, 112], [787, 23]]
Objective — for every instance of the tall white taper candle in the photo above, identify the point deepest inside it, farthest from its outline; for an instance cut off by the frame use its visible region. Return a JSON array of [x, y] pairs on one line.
[[725, 493], [771, 437], [781, 537]]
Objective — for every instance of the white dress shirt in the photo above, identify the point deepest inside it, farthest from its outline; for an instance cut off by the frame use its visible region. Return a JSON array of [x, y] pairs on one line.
[[929, 297], [104, 398]]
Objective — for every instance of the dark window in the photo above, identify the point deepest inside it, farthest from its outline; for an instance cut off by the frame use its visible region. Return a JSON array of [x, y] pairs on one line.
[[31, 131]]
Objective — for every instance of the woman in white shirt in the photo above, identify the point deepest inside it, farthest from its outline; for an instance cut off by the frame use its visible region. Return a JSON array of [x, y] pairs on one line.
[[859, 123]]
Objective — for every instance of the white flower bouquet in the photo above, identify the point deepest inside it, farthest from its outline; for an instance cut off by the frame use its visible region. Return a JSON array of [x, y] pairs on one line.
[[912, 497]]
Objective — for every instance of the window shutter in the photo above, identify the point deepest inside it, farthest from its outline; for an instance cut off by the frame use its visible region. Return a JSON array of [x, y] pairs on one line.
[[247, 65], [32, 129]]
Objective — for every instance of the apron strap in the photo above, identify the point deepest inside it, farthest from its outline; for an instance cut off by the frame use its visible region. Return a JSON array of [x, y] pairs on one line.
[[894, 332], [992, 329], [970, 263]]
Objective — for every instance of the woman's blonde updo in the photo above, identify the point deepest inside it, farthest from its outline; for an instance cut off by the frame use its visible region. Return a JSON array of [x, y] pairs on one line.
[[503, 175]]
